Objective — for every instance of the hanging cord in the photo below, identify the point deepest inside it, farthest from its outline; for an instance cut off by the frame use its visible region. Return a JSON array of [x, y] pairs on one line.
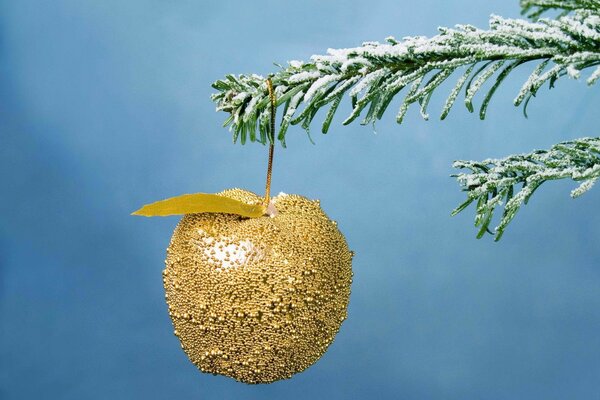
[[272, 142]]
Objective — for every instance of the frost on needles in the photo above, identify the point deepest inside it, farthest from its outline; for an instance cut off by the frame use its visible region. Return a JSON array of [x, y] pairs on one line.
[[511, 181], [372, 75]]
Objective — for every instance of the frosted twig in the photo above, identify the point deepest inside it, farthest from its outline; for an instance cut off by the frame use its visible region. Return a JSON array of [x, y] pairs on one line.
[[374, 73], [494, 182]]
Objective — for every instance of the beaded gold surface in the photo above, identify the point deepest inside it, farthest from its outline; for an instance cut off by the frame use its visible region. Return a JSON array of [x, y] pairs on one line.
[[258, 299]]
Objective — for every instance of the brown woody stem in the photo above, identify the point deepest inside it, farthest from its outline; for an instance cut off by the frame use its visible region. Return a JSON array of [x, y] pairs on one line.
[[272, 142]]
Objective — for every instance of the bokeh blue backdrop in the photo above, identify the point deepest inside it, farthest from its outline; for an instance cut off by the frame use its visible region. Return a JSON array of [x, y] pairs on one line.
[[104, 106]]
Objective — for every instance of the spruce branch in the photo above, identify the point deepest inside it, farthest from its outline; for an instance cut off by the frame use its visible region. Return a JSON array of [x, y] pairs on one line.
[[534, 8], [511, 181], [373, 74]]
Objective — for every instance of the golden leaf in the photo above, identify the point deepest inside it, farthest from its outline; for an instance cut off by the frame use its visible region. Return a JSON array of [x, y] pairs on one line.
[[200, 203]]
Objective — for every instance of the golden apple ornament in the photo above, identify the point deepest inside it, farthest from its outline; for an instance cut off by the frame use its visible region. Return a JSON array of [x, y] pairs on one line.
[[256, 287]]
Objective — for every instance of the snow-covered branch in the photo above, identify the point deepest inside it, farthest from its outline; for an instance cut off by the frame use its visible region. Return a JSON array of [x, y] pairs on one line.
[[495, 182], [373, 74], [534, 8]]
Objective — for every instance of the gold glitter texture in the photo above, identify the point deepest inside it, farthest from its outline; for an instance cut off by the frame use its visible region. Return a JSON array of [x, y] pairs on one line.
[[258, 299]]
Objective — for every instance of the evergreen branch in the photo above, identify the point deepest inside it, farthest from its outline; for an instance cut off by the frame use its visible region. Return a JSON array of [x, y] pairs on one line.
[[534, 8], [495, 182], [374, 73]]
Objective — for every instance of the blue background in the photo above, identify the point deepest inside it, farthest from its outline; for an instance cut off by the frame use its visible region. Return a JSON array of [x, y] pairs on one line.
[[104, 106]]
